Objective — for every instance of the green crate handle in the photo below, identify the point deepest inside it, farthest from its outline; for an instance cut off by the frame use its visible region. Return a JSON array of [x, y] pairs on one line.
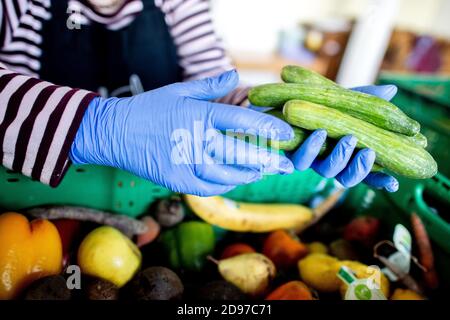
[[438, 228]]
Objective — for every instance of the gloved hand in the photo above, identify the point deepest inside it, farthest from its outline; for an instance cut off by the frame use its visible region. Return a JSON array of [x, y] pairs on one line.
[[339, 164], [171, 137]]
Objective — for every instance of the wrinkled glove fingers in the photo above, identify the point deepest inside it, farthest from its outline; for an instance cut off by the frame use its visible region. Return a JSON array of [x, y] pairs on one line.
[[207, 189], [224, 117], [305, 155], [259, 109], [231, 151], [338, 158], [381, 180], [358, 168], [226, 174]]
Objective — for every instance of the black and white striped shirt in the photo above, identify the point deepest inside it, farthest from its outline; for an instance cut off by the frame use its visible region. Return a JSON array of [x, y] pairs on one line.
[[38, 119]]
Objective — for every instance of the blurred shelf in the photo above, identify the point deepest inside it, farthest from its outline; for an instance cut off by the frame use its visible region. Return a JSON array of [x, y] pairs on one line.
[[271, 63]]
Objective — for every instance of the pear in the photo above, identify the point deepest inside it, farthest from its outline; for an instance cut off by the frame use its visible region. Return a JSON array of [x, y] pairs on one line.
[[108, 254], [250, 272]]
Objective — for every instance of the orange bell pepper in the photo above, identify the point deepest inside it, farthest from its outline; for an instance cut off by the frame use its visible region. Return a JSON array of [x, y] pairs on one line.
[[28, 251], [284, 249], [293, 290]]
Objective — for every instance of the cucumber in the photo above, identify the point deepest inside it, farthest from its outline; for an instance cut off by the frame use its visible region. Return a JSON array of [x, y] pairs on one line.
[[296, 74], [290, 145], [393, 152], [366, 107], [300, 136], [418, 139]]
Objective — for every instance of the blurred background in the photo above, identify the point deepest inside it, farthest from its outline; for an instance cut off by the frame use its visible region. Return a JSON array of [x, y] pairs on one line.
[[350, 41], [354, 42]]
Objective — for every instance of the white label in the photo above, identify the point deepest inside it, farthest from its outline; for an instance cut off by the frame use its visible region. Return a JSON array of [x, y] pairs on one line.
[[402, 258], [402, 240]]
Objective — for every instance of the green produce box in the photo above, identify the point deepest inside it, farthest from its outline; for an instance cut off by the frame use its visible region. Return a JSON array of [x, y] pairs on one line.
[[114, 190], [426, 99]]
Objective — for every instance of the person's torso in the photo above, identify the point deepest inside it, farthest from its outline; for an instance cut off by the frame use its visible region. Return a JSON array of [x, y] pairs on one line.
[[136, 58]]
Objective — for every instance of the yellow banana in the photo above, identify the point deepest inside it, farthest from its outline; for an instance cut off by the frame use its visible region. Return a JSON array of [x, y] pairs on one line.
[[249, 217]]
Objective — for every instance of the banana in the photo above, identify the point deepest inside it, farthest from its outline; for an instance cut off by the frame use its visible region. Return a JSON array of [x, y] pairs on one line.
[[249, 217]]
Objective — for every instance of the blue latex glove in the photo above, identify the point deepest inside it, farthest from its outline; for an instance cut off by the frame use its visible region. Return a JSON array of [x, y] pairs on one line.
[[171, 137], [340, 164]]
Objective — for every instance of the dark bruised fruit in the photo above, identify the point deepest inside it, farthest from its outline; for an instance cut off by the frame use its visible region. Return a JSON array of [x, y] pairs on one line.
[[343, 250], [99, 289], [169, 211], [48, 288], [68, 230], [220, 290], [155, 283]]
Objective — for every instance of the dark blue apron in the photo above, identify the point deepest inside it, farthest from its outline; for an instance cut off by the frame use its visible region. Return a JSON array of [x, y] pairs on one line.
[[141, 56]]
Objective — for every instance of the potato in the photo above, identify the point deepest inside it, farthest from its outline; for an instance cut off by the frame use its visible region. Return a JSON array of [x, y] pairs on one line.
[[220, 290], [155, 283], [48, 288], [99, 289]]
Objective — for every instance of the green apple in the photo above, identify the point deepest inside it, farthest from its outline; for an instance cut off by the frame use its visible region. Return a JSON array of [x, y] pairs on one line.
[[108, 254]]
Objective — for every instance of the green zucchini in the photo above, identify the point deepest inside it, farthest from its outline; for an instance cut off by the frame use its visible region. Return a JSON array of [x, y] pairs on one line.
[[418, 139], [289, 145], [296, 74], [300, 136], [359, 105], [393, 152]]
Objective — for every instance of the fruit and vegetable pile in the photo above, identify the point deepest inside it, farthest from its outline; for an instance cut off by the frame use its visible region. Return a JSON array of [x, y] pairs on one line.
[[310, 101], [194, 248], [169, 253]]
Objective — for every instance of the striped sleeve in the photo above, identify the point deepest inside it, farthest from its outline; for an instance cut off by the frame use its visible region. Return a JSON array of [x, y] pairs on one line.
[[38, 123], [20, 34], [200, 51]]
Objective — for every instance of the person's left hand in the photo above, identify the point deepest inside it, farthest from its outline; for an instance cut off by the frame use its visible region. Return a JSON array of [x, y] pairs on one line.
[[339, 164]]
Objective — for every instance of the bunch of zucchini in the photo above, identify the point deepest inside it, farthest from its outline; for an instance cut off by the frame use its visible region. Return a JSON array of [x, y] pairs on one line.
[[310, 101]]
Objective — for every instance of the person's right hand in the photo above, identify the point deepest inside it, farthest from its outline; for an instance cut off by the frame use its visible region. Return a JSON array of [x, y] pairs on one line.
[[171, 136]]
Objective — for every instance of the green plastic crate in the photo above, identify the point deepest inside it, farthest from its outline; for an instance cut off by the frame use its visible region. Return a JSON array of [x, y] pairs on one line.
[[114, 190], [429, 198], [434, 88], [426, 99]]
